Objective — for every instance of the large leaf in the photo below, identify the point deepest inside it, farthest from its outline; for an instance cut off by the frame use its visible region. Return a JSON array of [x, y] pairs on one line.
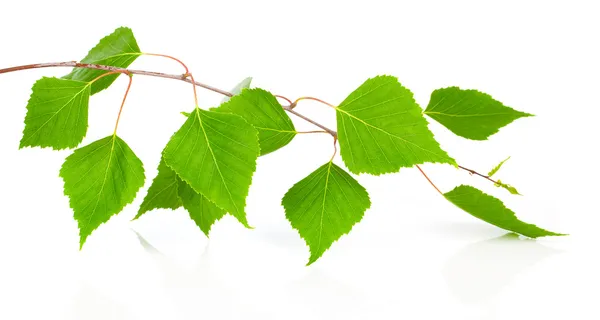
[[244, 84], [324, 206], [100, 180], [492, 210], [262, 110], [201, 210], [163, 193], [57, 114], [381, 129], [215, 153], [469, 113], [119, 49]]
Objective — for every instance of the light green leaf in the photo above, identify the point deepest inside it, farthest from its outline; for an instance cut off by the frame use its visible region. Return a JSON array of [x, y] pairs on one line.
[[57, 114], [508, 187], [469, 113], [163, 193], [262, 110], [215, 153], [381, 129], [201, 210], [324, 206], [492, 210], [100, 180], [244, 84], [496, 168], [119, 49]]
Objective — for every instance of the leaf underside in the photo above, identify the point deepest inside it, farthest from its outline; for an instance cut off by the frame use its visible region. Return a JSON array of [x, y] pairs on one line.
[[215, 153], [324, 206], [381, 129], [469, 113], [168, 191], [262, 110], [119, 49], [163, 193], [493, 211], [57, 114], [100, 180], [244, 84]]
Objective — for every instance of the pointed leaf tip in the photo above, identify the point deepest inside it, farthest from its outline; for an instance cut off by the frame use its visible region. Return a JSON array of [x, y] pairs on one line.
[[469, 113], [324, 206], [493, 211]]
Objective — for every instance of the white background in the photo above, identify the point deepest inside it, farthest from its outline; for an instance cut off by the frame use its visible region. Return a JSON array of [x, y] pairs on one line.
[[414, 255]]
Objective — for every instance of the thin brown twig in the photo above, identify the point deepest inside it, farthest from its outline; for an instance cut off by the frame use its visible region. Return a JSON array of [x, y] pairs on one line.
[[334, 148], [182, 77], [123, 104], [315, 131], [284, 98], [187, 71], [471, 171], [431, 182], [293, 105]]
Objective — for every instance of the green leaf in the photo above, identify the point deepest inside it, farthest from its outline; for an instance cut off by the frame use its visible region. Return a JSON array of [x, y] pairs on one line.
[[163, 193], [324, 206], [215, 153], [119, 49], [262, 110], [100, 180], [469, 113], [168, 191], [381, 129], [508, 187], [201, 210], [492, 210], [244, 84], [496, 168], [57, 114]]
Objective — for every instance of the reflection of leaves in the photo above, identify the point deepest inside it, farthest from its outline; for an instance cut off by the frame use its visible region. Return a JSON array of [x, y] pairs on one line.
[[479, 271]]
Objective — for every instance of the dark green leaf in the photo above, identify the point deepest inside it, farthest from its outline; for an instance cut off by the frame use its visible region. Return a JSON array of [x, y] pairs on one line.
[[262, 110], [324, 206], [119, 49], [100, 180], [381, 129], [492, 210], [469, 113], [201, 210], [163, 193], [57, 114]]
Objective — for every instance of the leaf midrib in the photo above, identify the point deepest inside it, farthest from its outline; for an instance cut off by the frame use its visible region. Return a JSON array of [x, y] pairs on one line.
[[215, 160]]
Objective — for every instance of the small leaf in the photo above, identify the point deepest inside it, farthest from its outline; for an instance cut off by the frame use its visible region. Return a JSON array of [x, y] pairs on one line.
[[215, 153], [508, 187], [492, 210], [119, 49], [324, 206], [244, 84], [381, 129], [496, 168], [262, 110], [201, 210], [57, 114], [163, 193], [469, 113], [100, 180]]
